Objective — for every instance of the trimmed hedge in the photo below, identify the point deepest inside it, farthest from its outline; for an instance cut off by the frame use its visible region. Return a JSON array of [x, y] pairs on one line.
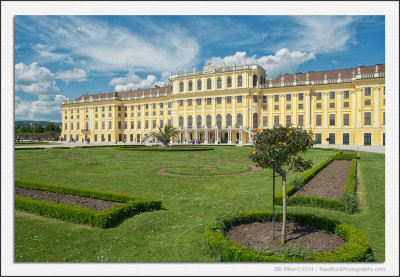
[[130, 205], [348, 202], [29, 148], [165, 148], [357, 248]]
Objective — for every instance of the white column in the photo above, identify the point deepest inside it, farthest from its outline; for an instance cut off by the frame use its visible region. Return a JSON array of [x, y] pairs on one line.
[[376, 107]]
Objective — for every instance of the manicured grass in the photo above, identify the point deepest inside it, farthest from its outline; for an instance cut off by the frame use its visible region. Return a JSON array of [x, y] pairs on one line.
[[19, 143], [201, 168], [175, 233]]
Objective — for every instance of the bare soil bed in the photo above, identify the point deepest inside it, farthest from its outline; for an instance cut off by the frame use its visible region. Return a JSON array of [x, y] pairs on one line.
[[69, 199], [258, 235], [329, 183]]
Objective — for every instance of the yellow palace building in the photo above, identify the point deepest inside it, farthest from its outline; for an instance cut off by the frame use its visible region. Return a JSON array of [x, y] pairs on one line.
[[225, 104]]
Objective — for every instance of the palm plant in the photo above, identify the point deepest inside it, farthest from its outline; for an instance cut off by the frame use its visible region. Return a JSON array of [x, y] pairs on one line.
[[165, 135]]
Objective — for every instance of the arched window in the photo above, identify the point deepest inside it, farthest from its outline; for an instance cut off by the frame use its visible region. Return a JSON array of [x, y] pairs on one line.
[[190, 121], [228, 119], [254, 81], [255, 120], [239, 119], [181, 121], [229, 82], [199, 84], [208, 121], [240, 80], [219, 82], [219, 120], [190, 85], [181, 87], [198, 121], [208, 83]]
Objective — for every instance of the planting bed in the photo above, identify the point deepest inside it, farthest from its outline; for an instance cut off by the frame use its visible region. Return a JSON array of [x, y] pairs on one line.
[[329, 183], [69, 199], [258, 235]]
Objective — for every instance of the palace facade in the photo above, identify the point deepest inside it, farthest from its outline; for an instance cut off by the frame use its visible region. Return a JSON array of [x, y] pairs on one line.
[[226, 104]]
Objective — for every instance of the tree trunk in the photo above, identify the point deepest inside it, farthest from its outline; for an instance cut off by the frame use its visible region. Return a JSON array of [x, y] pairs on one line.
[[283, 234]]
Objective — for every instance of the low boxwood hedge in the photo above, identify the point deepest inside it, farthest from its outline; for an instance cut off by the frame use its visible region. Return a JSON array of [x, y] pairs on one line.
[[29, 148], [348, 202], [165, 148], [130, 205], [357, 248]]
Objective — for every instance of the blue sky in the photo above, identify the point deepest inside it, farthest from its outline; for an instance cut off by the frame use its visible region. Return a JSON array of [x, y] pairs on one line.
[[60, 57]]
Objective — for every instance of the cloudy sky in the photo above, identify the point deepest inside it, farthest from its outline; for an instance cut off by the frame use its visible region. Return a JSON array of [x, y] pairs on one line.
[[61, 57]]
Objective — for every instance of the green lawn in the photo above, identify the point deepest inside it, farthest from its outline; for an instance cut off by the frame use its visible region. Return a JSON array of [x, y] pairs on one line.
[[19, 143], [175, 233]]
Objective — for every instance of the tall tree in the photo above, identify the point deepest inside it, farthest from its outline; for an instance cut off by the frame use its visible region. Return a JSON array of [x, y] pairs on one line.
[[278, 149]]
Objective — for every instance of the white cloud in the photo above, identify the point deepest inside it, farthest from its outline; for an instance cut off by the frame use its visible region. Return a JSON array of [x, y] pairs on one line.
[[110, 48], [34, 79], [283, 61], [46, 108], [76, 75], [131, 81]]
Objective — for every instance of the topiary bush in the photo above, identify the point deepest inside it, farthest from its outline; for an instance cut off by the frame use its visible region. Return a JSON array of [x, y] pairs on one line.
[[357, 248]]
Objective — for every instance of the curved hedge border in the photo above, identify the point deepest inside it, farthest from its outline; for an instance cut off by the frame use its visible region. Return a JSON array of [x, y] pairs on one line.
[[29, 148], [130, 205], [172, 149], [357, 248], [348, 202]]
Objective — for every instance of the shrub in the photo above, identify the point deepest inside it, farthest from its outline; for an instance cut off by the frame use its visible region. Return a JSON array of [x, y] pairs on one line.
[[29, 148], [129, 205], [357, 248], [162, 149]]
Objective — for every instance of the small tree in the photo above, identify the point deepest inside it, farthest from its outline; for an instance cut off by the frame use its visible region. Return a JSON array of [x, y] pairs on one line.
[[165, 135], [277, 149]]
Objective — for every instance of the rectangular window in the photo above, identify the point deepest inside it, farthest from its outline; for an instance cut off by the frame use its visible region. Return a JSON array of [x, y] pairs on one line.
[[103, 125], [66, 117], [139, 114], [132, 107], [77, 126], [154, 124], [161, 112], [346, 138], [276, 120], [367, 91], [180, 103], [318, 120], [96, 125], [288, 120], [265, 121], [265, 107], [318, 96], [346, 94], [229, 99], [255, 98], [109, 115], [154, 113], [332, 95], [103, 115], [132, 114], [318, 105], [72, 126], [132, 124], [332, 118], [161, 123], [87, 110], [208, 100], [146, 106], [332, 138], [109, 108], [146, 124], [169, 112], [239, 99], [346, 119], [367, 118], [332, 105], [300, 120], [103, 108], [72, 110], [161, 105], [219, 100], [384, 102], [383, 118], [125, 125], [154, 105], [138, 107], [367, 138], [170, 122], [276, 107], [265, 99], [288, 97], [119, 108], [346, 104], [139, 124], [301, 96], [367, 102], [198, 101], [77, 116], [119, 125], [169, 104], [318, 138], [125, 108], [301, 106], [190, 102], [66, 126], [384, 90], [276, 98], [72, 117], [109, 124], [288, 106]]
